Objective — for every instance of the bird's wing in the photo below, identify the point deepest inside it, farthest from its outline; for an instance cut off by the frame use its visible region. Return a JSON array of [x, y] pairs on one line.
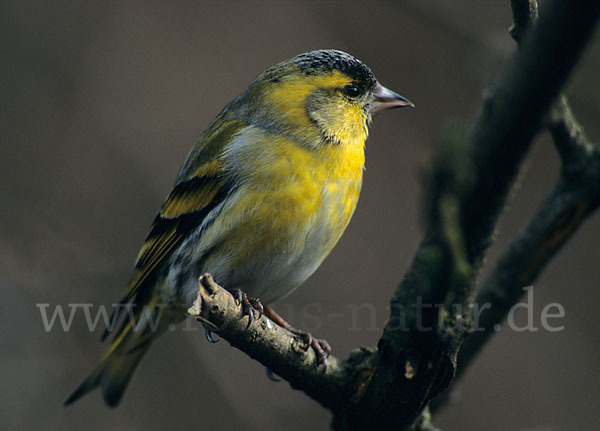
[[185, 208], [200, 187]]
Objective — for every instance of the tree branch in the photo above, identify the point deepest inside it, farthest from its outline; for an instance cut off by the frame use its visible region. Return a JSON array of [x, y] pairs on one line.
[[525, 13], [503, 131], [276, 348], [575, 196], [571, 143], [520, 101], [566, 132]]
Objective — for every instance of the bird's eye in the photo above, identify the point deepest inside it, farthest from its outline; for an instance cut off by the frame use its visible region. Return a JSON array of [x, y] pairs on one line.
[[352, 91]]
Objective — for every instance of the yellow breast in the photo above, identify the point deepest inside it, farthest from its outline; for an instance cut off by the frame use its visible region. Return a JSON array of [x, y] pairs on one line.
[[293, 205]]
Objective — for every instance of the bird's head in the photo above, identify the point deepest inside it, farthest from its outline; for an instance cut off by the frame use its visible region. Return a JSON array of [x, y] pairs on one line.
[[325, 94]]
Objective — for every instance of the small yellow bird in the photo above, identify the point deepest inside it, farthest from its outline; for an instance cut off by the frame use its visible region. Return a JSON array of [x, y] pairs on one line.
[[259, 202]]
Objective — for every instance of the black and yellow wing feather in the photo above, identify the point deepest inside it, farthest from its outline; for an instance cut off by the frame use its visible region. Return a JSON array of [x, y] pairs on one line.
[[201, 186]]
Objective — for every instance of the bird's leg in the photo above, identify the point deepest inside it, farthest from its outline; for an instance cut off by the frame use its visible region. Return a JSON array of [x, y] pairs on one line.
[[321, 347], [249, 304]]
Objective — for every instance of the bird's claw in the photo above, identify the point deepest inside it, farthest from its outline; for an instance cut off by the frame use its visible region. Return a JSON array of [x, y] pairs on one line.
[[321, 347], [210, 337], [249, 305], [271, 376]]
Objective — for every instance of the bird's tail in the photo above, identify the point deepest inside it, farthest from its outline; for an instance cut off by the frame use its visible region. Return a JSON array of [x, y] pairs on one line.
[[119, 362]]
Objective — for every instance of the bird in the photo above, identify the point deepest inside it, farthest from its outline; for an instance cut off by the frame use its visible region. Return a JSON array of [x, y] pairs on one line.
[[259, 202]]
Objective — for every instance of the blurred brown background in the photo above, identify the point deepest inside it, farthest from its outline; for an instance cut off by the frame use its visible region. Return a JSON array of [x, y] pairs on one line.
[[100, 104]]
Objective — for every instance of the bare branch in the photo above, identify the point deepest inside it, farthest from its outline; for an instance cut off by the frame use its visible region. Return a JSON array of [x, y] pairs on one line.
[[559, 216], [276, 348], [575, 196], [566, 132], [525, 13], [521, 101], [567, 135]]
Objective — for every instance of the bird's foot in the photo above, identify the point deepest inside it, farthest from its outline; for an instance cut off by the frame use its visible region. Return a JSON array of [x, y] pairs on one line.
[[321, 348], [249, 304]]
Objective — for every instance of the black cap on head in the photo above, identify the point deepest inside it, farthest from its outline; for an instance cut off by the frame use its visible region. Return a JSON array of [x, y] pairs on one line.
[[323, 60], [331, 59]]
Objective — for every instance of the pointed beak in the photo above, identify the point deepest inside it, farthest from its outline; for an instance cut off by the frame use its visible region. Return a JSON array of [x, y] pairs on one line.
[[387, 99]]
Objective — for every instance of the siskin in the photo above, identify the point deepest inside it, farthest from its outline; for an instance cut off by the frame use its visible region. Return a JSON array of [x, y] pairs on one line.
[[259, 202]]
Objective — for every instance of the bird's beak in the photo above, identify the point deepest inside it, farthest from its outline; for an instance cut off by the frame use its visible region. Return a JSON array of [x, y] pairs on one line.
[[387, 99]]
